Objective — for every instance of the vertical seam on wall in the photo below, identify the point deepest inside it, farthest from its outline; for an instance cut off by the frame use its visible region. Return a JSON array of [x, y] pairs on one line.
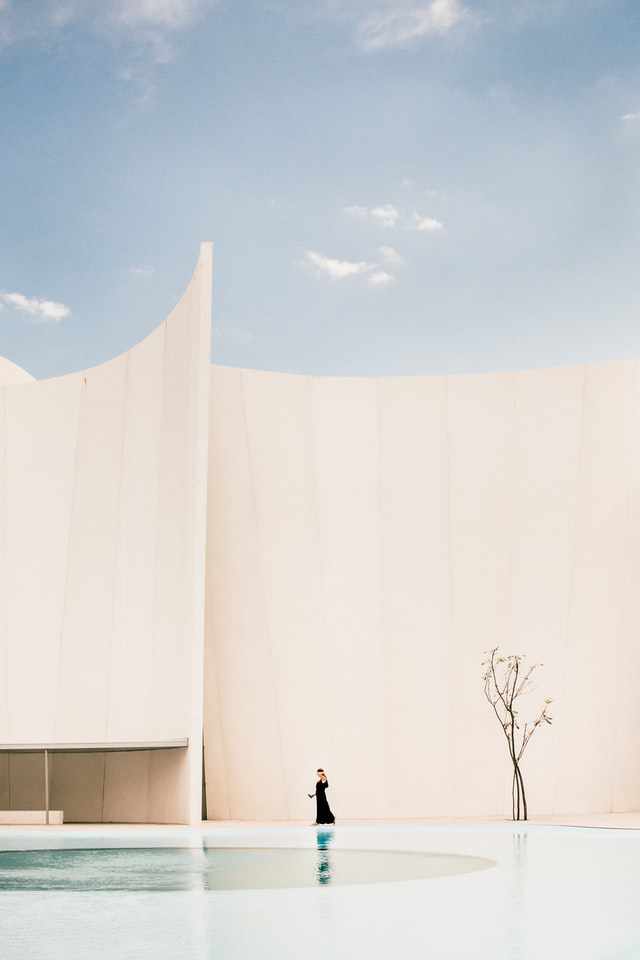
[[514, 444], [446, 438], [632, 489], [201, 480], [385, 656], [221, 722], [147, 803], [117, 546], [214, 639], [314, 466], [447, 453], [266, 605], [201, 347], [513, 471], [104, 778], [156, 526], [223, 737], [573, 520], [627, 426], [72, 510]]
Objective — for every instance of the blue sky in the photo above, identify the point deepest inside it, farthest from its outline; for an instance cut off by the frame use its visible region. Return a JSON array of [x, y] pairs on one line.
[[391, 187]]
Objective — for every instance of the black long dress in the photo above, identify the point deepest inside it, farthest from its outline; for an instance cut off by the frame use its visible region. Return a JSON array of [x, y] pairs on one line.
[[323, 813]]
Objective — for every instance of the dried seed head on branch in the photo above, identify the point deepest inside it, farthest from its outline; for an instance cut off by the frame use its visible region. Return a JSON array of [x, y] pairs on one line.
[[505, 680]]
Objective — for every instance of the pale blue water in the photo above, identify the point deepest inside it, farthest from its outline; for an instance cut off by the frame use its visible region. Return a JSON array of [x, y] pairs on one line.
[[293, 893], [141, 870]]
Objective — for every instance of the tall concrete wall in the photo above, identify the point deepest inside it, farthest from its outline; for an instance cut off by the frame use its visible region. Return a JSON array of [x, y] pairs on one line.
[[102, 520], [366, 540], [369, 539]]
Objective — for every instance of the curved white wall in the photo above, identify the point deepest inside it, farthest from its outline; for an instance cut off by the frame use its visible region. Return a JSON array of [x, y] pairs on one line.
[[369, 539], [102, 517], [366, 541], [11, 373]]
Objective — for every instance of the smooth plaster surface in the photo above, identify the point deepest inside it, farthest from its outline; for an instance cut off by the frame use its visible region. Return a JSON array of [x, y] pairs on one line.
[[368, 539], [102, 517]]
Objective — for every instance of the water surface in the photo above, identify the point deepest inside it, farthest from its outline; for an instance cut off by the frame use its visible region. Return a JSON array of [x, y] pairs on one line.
[[160, 869]]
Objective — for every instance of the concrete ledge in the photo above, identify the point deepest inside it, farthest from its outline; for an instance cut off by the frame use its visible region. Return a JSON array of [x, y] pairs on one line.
[[29, 817], [126, 746]]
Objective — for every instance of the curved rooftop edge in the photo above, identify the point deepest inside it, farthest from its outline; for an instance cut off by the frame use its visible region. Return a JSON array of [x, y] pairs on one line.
[[11, 373], [378, 535], [103, 477], [548, 369]]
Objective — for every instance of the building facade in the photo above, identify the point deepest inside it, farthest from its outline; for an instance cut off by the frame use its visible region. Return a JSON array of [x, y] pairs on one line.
[[307, 571]]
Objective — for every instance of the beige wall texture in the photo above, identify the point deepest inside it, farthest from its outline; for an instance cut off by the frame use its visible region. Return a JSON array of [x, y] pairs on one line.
[[368, 539], [102, 525]]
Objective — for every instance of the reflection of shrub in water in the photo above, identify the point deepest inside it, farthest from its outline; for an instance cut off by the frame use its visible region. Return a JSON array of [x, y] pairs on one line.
[[324, 839]]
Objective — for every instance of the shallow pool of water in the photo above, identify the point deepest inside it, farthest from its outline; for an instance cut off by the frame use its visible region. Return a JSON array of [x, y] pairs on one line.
[[139, 870], [286, 892]]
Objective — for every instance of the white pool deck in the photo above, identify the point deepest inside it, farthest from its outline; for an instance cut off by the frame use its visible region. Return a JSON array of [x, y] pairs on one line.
[[215, 828], [562, 887]]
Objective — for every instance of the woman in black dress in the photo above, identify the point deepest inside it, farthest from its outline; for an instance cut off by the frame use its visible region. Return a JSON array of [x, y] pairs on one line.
[[323, 813]]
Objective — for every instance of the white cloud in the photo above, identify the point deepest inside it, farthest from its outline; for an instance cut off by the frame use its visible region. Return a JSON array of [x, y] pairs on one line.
[[381, 279], [45, 310], [630, 116], [372, 273], [130, 14], [385, 215], [426, 224], [336, 269], [360, 213], [142, 271], [391, 256], [169, 14], [148, 27], [397, 25]]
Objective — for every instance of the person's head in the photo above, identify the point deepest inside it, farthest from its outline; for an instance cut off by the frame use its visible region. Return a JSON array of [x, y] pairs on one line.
[[321, 773]]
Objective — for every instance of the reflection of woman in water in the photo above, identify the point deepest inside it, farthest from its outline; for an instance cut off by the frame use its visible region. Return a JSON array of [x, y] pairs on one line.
[[323, 813], [323, 865]]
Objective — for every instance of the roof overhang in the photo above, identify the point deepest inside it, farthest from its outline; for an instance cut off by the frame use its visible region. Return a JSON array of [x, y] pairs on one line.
[[94, 747]]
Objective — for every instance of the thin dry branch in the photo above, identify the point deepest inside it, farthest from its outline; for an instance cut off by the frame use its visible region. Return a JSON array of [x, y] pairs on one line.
[[505, 680]]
